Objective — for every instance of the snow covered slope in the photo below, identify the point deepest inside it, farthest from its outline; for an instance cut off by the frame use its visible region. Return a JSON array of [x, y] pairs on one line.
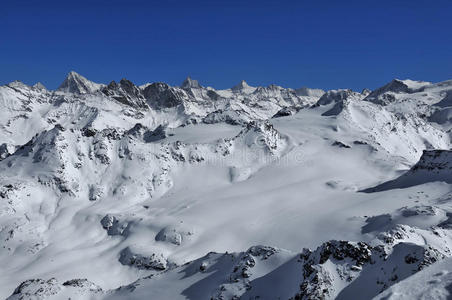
[[121, 191], [433, 283]]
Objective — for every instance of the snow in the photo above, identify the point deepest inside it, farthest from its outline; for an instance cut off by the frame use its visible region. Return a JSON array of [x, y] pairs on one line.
[[76, 83], [127, 190], [433, 283]]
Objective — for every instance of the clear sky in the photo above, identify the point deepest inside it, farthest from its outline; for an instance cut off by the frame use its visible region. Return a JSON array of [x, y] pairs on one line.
[[320, 44]]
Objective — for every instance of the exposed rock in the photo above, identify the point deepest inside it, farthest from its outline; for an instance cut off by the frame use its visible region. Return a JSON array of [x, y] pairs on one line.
[[83, 285], [76, 83], [36, 289], [113, 225], [126, 93], [190, 84], [241, 86], [284, 112], [335, 96], [6, 150], [434, 165], [148, 262], [340, 144], [169, 234], [385, 94], [161, 95]]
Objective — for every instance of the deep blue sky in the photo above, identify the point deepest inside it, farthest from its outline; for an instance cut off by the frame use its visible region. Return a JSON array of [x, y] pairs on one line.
[[324, 44]]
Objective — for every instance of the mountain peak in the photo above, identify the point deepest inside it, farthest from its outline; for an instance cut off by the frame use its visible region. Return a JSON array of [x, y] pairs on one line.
[[366, 91], [39, 86], [17, 84], [73, 73], [241, 86], [385, 94], [190, 84], [76, 83]]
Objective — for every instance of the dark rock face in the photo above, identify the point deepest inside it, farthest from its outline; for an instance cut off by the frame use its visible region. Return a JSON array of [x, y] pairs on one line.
[[228, 117], [6, 150], [126, 93], [161, 95], [434, 165], [140, 131], [434, 160], [385, 94], [49, 289], [77, 84], [248, 260], [284, 112], [88, 132], [334, 97], [190, 84], [340, 145], [83, 285], [36, 289], [348, 261], [396, 86]]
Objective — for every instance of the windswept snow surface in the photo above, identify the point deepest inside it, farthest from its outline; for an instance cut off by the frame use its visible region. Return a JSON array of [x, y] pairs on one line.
[[156, 192]]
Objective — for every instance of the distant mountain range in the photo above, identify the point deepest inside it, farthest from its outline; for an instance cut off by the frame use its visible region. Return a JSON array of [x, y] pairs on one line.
[[118, 191]]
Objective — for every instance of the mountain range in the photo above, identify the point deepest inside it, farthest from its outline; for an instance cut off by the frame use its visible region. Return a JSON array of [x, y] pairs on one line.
[[119, 191]]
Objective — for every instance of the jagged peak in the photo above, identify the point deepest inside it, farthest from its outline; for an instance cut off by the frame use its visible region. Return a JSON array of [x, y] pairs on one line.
[[126, 83], [241, 85], [17, 84], [72, 75], [366, 91], [190, 84], [126, 92], [76, 83], [399, 86], [125, 80], [268, 89], [274, 87], [261, 135], [39, 86], [336, 96]]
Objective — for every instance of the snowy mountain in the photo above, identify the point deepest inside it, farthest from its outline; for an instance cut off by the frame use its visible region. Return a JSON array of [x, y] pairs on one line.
[[119, 191], [77, 84]]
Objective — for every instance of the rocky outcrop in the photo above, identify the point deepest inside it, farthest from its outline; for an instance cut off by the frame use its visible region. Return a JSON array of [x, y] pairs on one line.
[[434, 165], [261, 136], [161, 95], [77, 84], [386, 94], [126, 93], [152, 261], [285, 112], [113, 225], [335, 96], [190, 84], [39, 289], [6, 150], [242, 85]]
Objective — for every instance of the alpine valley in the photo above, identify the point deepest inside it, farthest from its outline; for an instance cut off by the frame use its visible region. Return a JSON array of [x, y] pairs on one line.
[[121, 191]]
